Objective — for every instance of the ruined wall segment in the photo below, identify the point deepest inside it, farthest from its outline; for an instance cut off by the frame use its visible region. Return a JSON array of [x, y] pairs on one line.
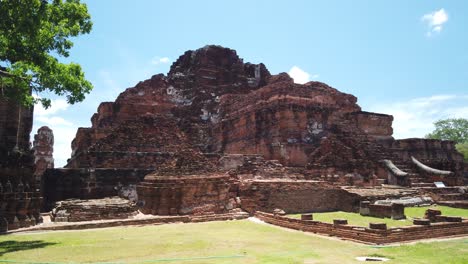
[[200, 78], [282, 120], [377, 126], [20, 201], [113, 126], [15, 125]]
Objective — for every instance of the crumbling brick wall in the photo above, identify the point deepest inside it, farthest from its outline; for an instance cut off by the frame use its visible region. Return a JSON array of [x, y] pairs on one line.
[[295, 197]]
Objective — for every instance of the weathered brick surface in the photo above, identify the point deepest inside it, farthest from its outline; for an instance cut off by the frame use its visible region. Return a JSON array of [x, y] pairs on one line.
[[74, 210], [191, 194], [394, 211], [20, 200], [15, 125], [43, 147], [295, 196], [87, 183]]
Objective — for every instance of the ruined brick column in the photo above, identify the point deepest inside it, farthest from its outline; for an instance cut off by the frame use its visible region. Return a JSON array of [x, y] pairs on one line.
[[43, 153]]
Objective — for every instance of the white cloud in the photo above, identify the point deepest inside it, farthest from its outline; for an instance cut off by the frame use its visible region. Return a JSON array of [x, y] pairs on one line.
[[56, 106], [55, 120], [299, 75], [159, 60], [415, 117], [63, 136], [164, 60], [435, 21]]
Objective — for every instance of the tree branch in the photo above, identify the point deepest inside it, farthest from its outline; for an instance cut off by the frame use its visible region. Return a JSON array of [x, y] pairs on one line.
[[7, 74]]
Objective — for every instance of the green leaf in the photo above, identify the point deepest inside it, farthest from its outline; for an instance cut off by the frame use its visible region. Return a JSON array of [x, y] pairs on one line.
[[30, 32]]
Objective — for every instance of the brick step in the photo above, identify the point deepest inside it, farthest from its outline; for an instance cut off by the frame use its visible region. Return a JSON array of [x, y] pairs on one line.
[[457, 203], [414, 179], [453, 196], [422, 184], [403, 168], [217, 217]]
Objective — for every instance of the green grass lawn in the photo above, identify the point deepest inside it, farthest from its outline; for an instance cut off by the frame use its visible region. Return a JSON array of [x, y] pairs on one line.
[[410, 212], [211, 242]]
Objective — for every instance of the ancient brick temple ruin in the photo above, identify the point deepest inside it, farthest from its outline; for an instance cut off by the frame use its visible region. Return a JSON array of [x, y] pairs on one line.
[[20, 200], [217, 134]]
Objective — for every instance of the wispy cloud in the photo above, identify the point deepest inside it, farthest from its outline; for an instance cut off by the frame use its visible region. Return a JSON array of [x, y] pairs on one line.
[[56, 106], [159, 60], [53, 121], [301, 76], [415, 117], [435, 21]]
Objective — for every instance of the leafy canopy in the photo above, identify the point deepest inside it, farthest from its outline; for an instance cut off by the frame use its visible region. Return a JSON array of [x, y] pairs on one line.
[[455, 129], [33, 33]]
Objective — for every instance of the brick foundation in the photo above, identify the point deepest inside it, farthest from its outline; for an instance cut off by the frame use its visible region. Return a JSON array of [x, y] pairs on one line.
[[368, 235]]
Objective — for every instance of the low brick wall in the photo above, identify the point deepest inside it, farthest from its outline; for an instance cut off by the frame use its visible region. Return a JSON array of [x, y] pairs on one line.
[[156, 220], [367, 235]]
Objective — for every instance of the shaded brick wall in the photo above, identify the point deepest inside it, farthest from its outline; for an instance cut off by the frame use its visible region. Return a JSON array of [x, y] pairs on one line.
[[61, 184]]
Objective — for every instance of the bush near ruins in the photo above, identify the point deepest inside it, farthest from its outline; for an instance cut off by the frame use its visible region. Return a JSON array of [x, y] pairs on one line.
[[455, 129], [33, 33]]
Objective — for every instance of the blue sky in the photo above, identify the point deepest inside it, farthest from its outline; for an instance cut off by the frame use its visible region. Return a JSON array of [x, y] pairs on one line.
[[405, 58]]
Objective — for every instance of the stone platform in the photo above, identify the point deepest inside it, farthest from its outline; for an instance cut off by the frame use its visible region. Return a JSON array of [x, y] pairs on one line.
[[74, 210]]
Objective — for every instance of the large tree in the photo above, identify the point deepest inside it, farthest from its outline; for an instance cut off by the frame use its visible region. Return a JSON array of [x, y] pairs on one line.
[[33, 35], [455, 129]]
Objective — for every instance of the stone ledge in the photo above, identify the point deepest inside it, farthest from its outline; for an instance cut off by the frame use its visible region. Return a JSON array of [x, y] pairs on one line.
[[150, 220]]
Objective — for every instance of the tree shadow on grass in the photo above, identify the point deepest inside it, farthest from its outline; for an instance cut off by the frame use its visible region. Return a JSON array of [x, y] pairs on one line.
[[13, 246]]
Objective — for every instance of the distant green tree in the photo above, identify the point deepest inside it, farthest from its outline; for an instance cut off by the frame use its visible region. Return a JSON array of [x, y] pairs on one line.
[[463, 149], [455, 129], [33, 34]]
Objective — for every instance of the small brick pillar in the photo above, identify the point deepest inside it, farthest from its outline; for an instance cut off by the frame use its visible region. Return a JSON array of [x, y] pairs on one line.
[[381, 226], [398, 211], [307, 217], [364, 208], [432, 214], [43, 153], [421, 221], [340, 222]]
